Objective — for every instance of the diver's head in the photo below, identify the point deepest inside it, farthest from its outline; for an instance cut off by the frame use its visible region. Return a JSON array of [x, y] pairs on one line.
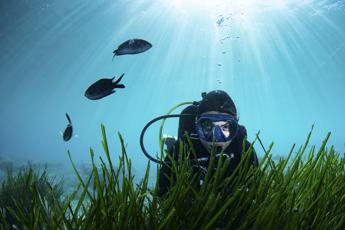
[[217, 100], [216, 121]]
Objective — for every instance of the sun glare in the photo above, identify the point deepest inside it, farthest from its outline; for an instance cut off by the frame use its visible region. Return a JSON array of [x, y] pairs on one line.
[[234, 5]]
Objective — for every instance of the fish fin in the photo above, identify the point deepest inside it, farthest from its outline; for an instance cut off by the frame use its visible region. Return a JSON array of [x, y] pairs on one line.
[[118, 80], [69, 119], [120, 86], [76, 136], [115, 52], [61, 133], [113, 56]]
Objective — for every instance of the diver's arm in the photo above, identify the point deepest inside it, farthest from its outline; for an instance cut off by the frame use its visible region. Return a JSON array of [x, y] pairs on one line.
[[253, 157], [164, 176]]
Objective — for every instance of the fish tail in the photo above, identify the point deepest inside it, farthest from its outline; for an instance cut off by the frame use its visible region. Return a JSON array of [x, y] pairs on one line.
[[115, 54], [118, 80], [69, 119], [120, 86]]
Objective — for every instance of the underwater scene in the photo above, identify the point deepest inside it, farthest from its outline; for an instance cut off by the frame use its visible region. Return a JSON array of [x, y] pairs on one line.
[[179, 114]]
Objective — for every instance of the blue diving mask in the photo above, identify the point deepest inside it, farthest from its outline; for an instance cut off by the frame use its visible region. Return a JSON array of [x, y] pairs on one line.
[[218, 128]]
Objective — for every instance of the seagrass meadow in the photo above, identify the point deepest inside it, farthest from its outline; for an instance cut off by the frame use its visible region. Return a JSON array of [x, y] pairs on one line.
[[305, 190], [280, 61]]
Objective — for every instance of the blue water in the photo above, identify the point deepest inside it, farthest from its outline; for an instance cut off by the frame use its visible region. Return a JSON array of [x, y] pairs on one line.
[[282, 62]]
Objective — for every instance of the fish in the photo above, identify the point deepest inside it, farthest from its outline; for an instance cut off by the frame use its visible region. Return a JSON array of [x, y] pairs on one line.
[[132, 46], [67, 134], [103, 87]]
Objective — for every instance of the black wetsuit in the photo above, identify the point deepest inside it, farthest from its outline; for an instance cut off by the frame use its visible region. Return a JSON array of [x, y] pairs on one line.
[[233, 151]]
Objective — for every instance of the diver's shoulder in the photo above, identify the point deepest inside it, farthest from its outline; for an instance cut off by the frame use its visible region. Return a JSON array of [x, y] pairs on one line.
[[242, 131]]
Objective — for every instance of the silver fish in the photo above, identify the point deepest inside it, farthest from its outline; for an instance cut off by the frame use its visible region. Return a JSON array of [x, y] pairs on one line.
[[132, 46]]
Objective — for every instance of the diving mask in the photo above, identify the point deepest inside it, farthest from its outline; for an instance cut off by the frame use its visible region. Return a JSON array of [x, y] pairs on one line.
[[218, 128]]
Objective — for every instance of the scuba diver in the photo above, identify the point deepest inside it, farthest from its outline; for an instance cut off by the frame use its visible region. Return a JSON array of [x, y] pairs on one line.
[[212, 126]]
